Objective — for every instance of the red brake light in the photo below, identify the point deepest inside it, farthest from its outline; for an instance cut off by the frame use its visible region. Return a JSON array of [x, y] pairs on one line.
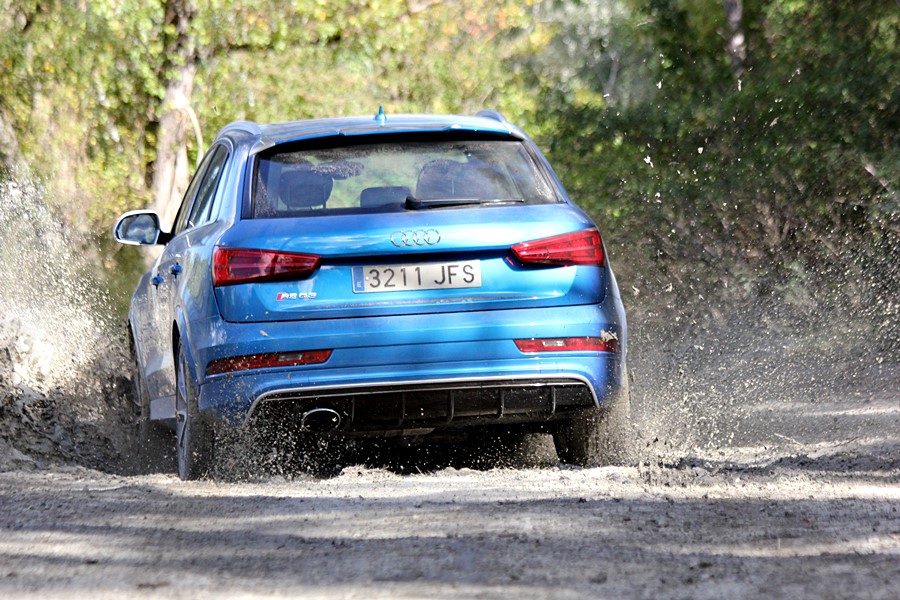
[[263, 361], [607, 343], [577, 248], [243, 265]]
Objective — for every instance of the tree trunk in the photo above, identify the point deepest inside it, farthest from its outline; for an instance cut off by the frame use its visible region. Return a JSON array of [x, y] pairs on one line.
[[11, 160], [171, 171], [737, 43]]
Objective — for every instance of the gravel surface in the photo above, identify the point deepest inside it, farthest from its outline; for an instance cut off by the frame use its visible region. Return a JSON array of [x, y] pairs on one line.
[[794, 530]]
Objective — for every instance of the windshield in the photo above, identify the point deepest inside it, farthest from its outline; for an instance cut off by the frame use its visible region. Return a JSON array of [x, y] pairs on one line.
[[396, 176]]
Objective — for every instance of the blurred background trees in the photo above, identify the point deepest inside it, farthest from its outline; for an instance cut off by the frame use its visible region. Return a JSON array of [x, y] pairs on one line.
[[716, 140]]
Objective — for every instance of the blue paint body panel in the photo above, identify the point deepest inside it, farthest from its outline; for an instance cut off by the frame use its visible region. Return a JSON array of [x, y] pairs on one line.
[[398, 338]]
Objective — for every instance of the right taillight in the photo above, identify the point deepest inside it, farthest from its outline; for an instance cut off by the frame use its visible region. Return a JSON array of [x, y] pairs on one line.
[[245, 265], [605, 343], [577, 248]]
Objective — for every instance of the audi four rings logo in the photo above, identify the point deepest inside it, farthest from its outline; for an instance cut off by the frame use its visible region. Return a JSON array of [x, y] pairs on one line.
[[419, 237]]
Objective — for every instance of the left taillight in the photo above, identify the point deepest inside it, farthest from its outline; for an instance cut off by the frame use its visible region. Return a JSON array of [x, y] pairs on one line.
[[267, 361], [577, 248], [245, 265]]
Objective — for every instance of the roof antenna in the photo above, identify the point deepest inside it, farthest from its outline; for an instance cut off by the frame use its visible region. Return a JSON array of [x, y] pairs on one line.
[[380, 117]]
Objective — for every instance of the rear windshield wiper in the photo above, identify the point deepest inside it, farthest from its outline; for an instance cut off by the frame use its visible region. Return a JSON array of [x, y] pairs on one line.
[[416, 204]]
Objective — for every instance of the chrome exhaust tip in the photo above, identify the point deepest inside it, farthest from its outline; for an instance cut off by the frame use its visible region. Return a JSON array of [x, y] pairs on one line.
[[320, 420]]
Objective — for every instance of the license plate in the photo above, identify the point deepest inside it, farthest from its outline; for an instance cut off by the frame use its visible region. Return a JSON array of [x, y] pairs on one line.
[[423, 276]]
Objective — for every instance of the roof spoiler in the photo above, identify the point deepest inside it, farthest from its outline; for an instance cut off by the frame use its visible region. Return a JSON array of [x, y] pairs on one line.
[[245, 126], [492, 114]]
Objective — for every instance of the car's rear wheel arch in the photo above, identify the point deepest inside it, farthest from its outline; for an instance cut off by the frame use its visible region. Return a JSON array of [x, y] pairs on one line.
[[598, 436]]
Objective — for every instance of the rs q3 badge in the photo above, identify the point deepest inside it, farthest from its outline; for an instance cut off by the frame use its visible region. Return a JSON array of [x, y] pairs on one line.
[[295, 296]]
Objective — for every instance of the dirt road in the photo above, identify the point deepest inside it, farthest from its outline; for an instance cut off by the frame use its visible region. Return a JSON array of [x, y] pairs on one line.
[[767, 471], [791, 532]]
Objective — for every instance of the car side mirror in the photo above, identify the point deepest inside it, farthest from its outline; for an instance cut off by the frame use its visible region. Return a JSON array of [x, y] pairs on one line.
[[139, 228]]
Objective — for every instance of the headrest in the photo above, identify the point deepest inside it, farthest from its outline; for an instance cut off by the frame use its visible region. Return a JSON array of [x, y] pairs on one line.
[[383, 196], [436, 179], [303, 188], [451, 179]]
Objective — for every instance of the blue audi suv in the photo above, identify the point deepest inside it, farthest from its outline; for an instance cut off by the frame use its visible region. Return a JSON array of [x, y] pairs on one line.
[[402, 275]]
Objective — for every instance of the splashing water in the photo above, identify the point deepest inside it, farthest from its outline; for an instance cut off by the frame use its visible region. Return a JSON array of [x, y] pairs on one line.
[[50, 302], [59, 365]]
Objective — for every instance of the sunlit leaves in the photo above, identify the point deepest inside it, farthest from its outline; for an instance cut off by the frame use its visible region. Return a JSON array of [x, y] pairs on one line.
[[801, 153], [85, 81]]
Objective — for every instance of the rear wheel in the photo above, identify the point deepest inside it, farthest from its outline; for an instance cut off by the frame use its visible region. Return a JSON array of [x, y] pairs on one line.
[[317, 455], [194, 434], [597, 437], [506, 447]]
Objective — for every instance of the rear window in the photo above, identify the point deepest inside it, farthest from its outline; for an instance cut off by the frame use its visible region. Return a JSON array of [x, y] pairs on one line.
[[393, 176]]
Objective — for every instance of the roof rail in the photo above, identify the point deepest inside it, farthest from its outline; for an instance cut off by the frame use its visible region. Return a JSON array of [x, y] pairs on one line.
[[246, 126], [492, 114]]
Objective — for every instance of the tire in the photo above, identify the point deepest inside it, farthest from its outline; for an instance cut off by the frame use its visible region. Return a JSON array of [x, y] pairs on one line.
[[194, 434], [501, 447], [317, 455], [495, 448], [599, 436], [155, 442]]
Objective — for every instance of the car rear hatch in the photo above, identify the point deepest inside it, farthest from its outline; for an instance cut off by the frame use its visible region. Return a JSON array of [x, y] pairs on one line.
[[410, 262]]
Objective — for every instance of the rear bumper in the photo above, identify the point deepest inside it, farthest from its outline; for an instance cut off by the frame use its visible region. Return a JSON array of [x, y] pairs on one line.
[[398, 372], [436, 404]]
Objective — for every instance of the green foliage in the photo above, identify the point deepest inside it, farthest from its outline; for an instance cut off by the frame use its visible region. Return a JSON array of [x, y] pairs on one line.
[[450, 58], [82, 84], [792, 167], [74, 80], [86, 81]]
